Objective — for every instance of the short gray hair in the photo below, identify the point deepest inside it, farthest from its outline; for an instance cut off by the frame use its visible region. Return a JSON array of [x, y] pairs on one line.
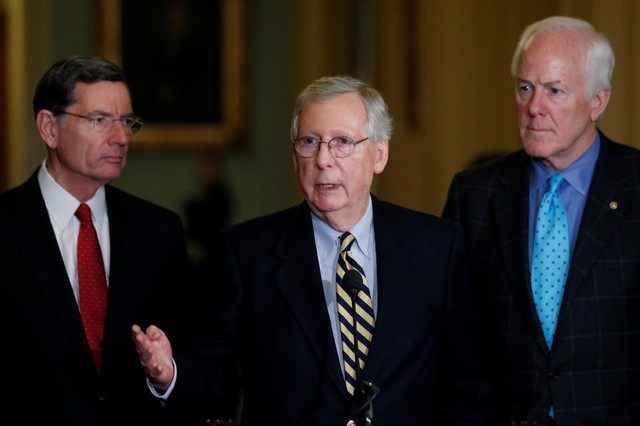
[[599, 62], [379, 122]]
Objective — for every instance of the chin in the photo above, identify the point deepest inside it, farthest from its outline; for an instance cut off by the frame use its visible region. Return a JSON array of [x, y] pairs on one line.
[[537, 147]]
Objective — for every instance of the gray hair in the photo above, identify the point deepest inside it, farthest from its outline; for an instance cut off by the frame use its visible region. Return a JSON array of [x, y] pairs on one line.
[[599, 62], [379, 122]]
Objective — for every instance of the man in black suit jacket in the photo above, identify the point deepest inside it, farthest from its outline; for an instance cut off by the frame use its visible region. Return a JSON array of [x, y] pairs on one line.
[[590, 373], [84, 115], [275, 314]]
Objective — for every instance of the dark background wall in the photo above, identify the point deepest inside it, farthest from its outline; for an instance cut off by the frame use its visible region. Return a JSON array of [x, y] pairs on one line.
[[443, 66]]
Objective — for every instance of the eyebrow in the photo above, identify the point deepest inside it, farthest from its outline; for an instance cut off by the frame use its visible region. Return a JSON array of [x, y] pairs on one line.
[[106, 114]]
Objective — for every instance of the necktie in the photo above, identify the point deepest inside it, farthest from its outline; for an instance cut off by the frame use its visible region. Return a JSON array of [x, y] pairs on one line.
[[92, 282], [550, 263], [355, 343]]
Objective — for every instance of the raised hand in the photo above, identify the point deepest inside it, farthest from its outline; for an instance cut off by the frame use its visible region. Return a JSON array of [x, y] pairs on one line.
[[155, 354]]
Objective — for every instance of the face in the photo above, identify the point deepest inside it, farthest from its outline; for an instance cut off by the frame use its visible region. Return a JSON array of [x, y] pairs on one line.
[[556, 120], [337, 189], [80, 158]]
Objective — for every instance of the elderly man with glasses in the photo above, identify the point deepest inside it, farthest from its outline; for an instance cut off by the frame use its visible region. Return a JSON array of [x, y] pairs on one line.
[[344, 309]]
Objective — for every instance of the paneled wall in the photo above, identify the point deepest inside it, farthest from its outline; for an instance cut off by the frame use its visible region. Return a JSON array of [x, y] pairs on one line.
[[443, 66]]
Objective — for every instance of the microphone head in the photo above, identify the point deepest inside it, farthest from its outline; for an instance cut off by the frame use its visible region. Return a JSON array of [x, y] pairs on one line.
[[370, 387], [352, 282]]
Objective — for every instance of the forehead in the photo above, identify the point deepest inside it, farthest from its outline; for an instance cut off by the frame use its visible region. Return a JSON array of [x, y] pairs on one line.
[[103, 95], [554, 55], [346, 109]]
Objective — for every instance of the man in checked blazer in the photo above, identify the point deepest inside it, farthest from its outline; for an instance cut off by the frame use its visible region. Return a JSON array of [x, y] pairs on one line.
[[591, 373], [84, 115], [275, 312]]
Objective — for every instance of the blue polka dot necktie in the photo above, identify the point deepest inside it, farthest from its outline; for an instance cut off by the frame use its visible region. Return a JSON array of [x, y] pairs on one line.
[[355, 343], [92, 282], [551, 256]]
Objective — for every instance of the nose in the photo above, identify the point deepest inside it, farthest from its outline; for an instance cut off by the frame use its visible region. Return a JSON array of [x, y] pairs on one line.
[[536, 103], [324, 156], [121, 131]]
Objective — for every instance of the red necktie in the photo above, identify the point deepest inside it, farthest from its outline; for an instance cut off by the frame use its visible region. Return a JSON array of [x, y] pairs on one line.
[[92, 282]]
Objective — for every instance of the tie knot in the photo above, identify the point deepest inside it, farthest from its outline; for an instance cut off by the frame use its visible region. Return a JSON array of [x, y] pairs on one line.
[[346, 241], [555, 182], [83, 213]]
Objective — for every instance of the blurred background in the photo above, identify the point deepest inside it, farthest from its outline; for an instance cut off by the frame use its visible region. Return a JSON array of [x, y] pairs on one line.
[[442, 65]]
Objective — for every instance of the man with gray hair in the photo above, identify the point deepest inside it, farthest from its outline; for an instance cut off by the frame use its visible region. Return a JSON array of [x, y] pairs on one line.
[[553, 233], [343, 302]]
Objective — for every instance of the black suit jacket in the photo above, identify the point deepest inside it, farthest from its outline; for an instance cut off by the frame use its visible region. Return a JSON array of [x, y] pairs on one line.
[[272, 315], [592, 374], [49, 377]]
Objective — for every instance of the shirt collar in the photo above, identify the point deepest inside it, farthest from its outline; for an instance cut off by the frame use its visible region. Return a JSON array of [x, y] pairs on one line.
[[578, 174], [62, 205], [362, 231]]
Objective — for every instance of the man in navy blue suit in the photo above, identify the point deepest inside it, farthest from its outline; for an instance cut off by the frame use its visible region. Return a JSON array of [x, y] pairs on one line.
[[84, 115], [589, 373], [275, 316]]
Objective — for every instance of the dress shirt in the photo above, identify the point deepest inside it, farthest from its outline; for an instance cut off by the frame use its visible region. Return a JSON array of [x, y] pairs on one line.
[[61, 206], [364, 252], [573, 192]]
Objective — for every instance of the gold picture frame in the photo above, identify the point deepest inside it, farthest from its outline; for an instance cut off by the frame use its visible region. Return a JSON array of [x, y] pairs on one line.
[[210, 112]]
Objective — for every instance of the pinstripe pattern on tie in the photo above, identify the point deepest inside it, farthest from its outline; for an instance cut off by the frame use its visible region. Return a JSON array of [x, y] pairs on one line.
[[364, 316]]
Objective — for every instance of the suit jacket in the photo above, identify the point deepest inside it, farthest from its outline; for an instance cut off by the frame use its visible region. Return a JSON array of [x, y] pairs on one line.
[[592, 374], [49, 376], [272, 317]]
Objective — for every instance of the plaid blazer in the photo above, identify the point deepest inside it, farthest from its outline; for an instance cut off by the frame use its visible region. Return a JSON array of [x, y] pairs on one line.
[[592, 374]]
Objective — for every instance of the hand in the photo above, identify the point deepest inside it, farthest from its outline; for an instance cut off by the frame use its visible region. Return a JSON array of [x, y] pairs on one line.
[[155, 354]]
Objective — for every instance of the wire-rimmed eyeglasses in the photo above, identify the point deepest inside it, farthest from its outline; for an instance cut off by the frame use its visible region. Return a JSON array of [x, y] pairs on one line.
[[103, 123], [340, 146]]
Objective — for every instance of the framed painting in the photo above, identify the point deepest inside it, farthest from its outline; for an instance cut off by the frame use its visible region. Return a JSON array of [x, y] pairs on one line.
[[184, 62]]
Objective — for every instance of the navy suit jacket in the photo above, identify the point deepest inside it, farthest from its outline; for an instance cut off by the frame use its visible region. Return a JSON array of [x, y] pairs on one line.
[[592, 374], [49, 376], [272, 315]]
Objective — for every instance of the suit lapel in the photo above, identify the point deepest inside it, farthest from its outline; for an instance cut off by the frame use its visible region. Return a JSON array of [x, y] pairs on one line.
[[599, 221], [301, 286], [511, 215], [37, 242], [395, 284]]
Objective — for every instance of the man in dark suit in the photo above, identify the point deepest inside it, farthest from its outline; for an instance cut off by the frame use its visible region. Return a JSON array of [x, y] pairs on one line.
[[277, 309], [588, 371], [83, 113]]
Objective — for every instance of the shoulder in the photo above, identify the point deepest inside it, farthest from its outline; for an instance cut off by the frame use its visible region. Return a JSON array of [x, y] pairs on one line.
[[125, 204], [387, 215], [610, 148], [295, 217], [506, 165]]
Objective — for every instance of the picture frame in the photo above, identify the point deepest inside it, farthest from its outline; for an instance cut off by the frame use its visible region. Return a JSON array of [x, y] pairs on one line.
[[184, 62]]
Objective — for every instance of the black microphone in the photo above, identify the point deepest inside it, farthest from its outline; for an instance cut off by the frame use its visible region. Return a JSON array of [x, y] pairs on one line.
[[352, 283]]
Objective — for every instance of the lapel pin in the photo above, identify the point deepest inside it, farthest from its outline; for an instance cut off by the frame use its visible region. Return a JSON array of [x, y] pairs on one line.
[[613, 205]]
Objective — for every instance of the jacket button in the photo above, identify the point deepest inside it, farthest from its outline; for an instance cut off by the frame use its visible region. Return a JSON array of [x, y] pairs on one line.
[[554, 376]]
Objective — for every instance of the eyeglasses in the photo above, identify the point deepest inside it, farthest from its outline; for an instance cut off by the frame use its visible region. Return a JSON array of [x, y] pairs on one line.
[[103, 123], [340, 146]]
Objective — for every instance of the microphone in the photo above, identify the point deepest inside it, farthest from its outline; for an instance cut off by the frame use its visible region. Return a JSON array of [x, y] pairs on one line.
[[353, 284]]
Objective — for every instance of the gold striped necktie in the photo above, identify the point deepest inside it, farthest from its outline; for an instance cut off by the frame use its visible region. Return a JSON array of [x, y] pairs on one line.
[[355, 343]]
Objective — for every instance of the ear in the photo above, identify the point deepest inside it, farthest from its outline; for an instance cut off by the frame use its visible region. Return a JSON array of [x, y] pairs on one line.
[[381, 152], [599, 103], [48, 127]]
